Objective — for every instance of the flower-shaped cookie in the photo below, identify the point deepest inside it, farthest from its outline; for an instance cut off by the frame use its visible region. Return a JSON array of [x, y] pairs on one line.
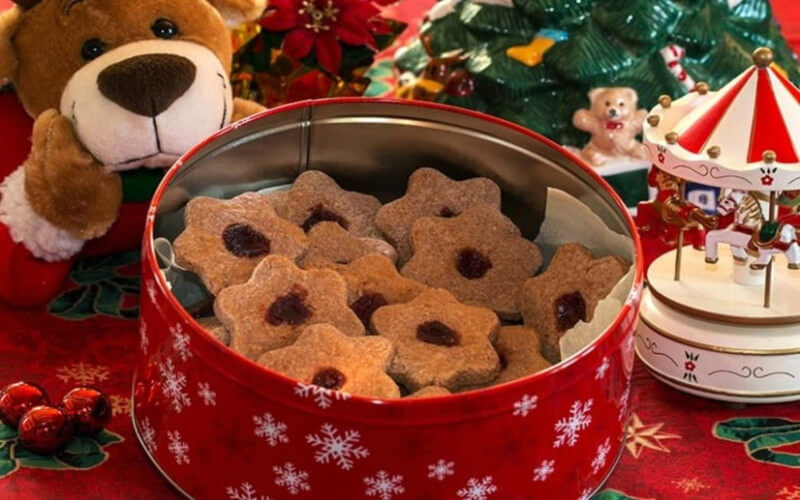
[[330, 244], [325, 357], [518, 348], [439, 341], [278, 302], [315, 197], [479, 256], [374, 282], [224, 240], [568, 292], [430, 193], [430, 391]]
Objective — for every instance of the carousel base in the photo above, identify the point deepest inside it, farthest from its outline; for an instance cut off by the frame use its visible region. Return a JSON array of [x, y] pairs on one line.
[[737, 359]]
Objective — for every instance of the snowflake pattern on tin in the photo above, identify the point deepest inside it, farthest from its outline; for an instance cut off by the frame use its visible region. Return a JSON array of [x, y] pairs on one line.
[[271, 430], [148, 435], [322, 396], [178, 448], [151, 292], [623, 403], [602, 456], [208, 396], [173, 383], [244, 492], [569, 428], [344, 449], [144, 340], [477, 489], [181, 342], [524, 406], [384, 486], [600, 373], [586, 494], [441, 469], [544, 470], [292, 479]]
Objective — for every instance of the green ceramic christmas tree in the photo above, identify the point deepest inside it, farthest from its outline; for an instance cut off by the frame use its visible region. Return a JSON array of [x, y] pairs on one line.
[[534, 61]]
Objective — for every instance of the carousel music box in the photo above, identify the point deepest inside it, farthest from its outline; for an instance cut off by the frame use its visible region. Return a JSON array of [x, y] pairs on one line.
[[722, 320], [220, 420]]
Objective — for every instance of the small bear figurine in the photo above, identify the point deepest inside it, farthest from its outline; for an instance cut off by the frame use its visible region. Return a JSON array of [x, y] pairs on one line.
[[614, 122]]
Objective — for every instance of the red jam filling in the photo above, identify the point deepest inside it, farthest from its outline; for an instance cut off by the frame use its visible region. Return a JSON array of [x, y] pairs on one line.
[[570, 308], [472, 264], [437, 333], [447, 212], [320, 214], [329, 378], [290, 309], [243, 241]]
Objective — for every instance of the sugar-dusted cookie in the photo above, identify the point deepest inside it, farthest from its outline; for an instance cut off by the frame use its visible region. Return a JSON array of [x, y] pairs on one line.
[[430, 193], [479, 256], [278, 302], [315, 197], [325, 357], [329, 243], [224, 240], [430, 391], [518, 348], [373, 282], [567, 292], [439, 341]]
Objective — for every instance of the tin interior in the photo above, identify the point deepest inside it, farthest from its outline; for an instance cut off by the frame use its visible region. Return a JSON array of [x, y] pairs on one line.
[[373, 147]]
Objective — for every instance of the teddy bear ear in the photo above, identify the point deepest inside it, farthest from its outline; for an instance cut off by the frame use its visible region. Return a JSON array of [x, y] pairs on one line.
[[236, 12], [595, 92], [9, 21], [632, 95]]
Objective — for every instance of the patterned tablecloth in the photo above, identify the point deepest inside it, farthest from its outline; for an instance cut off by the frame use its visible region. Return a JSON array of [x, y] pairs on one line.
[[678, 446]]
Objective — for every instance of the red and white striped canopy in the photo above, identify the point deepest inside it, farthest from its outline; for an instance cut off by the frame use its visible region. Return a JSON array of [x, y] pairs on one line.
[[745, 136]]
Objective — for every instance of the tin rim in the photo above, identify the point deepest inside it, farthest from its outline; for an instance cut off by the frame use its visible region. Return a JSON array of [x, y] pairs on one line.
[[615, 329]]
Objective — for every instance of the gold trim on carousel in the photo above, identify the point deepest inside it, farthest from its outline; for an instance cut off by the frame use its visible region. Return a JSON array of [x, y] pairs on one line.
[[722, 318], [714, 348], [702, 388]]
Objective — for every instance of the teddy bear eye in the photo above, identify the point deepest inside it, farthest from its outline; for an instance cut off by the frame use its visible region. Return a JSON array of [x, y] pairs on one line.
[[164, 28], [621, 104], [608, 103], [92, 49]]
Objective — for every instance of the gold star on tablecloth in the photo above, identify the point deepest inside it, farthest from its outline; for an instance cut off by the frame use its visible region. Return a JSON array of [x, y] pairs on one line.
[[641, 436]]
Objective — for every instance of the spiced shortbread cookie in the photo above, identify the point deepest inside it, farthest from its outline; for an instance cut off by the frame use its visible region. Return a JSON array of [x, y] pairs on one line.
[[315, 197], [373, 282], [224, 240], [278, 302], [479, 256], [330, 244], [431, 193], [567, 292], [325, 357], [430, 392], [519, 351], [439, 341]]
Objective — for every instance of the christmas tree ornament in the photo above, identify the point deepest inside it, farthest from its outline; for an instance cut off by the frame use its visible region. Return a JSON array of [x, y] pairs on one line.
[[613, 121], [18, 398], [532, 54], [88, 409], [731, 307], [44, 430], [436, 75]]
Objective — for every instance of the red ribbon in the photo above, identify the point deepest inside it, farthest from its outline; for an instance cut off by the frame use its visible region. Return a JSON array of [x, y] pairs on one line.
[[614, 125]]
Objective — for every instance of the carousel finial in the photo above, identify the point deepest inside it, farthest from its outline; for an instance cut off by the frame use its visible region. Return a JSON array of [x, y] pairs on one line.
[[762, 57], [653, 120], [665, 101], [701, 88], [769, 156], [671, 137], [714, 151]]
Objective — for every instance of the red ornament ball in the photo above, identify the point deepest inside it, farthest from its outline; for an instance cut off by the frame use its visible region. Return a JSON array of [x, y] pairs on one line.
[[460, 84], [18, 398], [44, 430], [88, 409]]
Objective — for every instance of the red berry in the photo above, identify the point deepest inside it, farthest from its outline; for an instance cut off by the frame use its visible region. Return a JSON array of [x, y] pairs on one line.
[[44, 430], [88, 409], [17, 398], [460, 84]]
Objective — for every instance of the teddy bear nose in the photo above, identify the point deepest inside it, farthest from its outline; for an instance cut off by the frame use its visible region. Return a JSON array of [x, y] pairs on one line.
[[147, 84]]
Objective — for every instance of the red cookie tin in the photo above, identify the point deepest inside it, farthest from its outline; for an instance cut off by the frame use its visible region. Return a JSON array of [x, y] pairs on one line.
[[220, 426]]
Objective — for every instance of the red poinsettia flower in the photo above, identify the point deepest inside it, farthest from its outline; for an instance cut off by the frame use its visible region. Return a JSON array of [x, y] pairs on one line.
[[321, 25]]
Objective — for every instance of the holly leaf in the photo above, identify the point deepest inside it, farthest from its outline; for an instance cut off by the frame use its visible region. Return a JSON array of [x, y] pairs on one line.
[[27, 458], [75, 305], [109, 299], [7, 467], [611, 495], [7, 433], [128, 284], [745, 429], [105, 438], [83, 453]]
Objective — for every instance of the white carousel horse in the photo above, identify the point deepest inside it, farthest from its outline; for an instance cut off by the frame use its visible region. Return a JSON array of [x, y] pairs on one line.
[[744, 235]]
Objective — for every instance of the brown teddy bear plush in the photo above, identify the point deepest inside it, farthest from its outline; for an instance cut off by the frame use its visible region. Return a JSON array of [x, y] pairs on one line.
[[118, 90], [614, 122]]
